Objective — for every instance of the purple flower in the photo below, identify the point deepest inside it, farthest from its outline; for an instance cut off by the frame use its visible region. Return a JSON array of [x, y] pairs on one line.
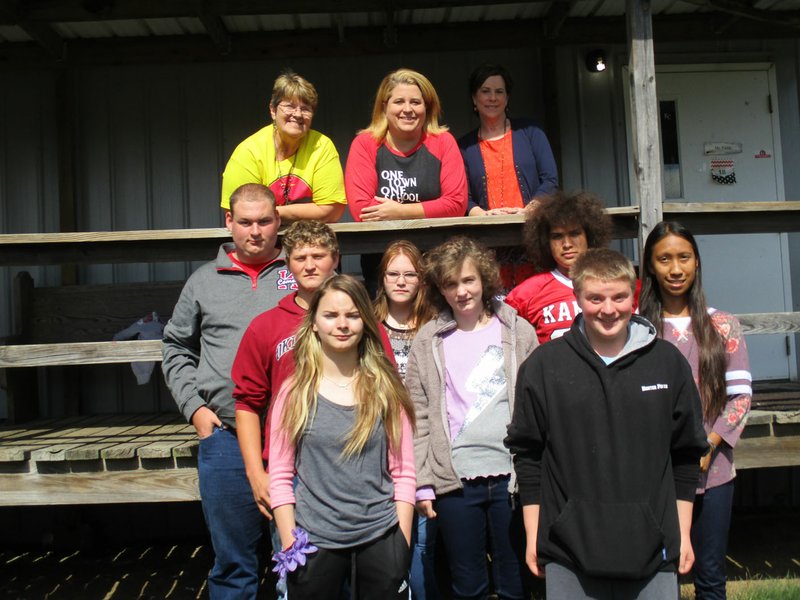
[[294, 556]]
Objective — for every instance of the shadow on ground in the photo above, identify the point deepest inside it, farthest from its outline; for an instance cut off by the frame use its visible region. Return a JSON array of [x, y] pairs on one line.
[[79, 561]]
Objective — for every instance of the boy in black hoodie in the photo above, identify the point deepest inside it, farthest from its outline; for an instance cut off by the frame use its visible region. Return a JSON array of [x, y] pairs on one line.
[[607, 437]]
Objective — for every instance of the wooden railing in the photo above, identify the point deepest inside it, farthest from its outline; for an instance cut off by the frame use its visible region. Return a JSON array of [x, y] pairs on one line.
[[168, 245]]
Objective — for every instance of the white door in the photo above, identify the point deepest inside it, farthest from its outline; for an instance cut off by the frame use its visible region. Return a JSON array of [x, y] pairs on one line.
[[721, 144]]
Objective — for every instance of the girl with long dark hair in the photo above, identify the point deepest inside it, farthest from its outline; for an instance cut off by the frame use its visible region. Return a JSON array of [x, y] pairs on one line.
[[672, 299]]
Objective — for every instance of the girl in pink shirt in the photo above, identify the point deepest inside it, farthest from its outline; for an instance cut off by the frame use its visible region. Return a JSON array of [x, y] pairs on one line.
[[712, 342], [341, 455]]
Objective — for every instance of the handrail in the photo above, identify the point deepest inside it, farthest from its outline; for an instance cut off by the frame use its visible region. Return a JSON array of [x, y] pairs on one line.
[[169, 245], [94, 353]]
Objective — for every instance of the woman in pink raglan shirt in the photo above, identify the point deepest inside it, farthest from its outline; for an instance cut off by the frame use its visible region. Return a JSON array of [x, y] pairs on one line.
[[405, 164]]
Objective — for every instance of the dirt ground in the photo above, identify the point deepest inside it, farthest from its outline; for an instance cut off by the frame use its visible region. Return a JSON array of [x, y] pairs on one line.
[[78, 562]]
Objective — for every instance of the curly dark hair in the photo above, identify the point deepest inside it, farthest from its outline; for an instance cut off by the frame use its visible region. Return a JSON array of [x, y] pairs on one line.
[[446, 260], [561, 209]]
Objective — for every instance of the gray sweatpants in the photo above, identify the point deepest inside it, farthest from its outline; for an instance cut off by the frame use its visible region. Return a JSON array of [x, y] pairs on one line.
[[565, 584]]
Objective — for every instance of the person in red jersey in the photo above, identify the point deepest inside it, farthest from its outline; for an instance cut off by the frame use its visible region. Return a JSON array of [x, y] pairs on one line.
[[560, 230]]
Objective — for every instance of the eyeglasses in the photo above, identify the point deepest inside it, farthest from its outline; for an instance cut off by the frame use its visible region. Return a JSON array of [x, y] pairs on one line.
[[392, 276], [290, 109]]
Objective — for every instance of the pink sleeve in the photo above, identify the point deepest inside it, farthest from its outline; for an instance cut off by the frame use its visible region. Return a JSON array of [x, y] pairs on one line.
[[281, 456], [401, 466], [387, 345], [452, 177], [360, 178], [252, 388], [738, 379]]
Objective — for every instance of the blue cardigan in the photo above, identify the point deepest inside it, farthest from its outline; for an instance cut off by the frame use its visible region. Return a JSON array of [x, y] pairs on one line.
[[536, 169]]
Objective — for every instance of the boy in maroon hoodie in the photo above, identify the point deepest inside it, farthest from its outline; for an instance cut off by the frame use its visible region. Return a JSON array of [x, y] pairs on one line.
[[264, 358]]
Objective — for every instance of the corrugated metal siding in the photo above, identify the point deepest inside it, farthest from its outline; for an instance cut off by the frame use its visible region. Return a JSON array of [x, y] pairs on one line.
[[28, 174]]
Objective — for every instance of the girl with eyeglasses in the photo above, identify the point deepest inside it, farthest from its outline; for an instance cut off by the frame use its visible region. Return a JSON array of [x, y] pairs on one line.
[[712, 341], [301, 166], [402, 306]]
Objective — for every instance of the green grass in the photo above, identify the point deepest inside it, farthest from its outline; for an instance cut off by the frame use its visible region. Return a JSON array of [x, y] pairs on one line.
[[755, 589]]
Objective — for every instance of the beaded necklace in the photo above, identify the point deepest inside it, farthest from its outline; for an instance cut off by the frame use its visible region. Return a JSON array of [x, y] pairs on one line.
[[285, 184]]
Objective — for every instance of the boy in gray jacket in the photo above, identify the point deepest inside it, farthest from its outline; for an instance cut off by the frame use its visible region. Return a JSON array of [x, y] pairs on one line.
[[216, 305]]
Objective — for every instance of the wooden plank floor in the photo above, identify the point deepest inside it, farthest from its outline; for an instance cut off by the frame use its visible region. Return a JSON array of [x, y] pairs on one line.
[[152, 457], [99, 459], [101, 437]]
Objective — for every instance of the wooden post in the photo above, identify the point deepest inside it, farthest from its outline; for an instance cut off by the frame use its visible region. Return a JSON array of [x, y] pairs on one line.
[[648, 187]]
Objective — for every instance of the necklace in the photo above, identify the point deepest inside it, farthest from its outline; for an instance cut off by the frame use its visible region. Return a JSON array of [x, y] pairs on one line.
[[502, 161], [285, 184], [341, 386], [395, 324]]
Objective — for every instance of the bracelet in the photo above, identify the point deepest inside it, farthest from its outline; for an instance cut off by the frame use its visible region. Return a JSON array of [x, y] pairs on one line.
[[294, 556], [712, 444]]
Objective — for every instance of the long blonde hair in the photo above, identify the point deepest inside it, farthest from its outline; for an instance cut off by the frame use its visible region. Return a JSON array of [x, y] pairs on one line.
[[379, 392], [433, 107]]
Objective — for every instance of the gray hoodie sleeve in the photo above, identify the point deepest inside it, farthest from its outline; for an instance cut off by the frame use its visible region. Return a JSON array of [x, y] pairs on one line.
[[181, 352]]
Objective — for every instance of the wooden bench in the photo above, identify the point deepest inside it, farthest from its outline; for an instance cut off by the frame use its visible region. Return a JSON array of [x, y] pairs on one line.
[[74, 325], [87, 459]]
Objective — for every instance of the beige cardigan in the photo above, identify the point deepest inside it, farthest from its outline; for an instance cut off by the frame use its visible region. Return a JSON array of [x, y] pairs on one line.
[[425, 380]]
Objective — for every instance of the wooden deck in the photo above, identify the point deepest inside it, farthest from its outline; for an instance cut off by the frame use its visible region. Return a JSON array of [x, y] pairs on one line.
[[153, 458], [771, 439], [98, 460]]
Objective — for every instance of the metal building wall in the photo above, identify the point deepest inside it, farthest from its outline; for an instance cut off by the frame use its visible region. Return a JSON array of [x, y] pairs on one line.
[[28, 174], [149, 146]]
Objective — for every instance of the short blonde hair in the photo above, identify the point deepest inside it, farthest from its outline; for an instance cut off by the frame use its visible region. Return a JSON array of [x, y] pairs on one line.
[[433, 107], [602, 264], [290, 85]]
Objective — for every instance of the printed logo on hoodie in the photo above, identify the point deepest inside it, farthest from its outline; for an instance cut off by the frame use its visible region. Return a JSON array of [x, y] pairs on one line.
[[286, 280], [654, 387], [284, 346]]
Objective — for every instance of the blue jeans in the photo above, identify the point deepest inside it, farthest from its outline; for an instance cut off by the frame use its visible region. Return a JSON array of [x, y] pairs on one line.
[[233, 519], [466, 516], [422, 578], [711, 521]]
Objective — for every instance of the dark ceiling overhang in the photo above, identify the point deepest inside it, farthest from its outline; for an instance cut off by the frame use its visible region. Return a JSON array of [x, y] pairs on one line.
[[727, 20]]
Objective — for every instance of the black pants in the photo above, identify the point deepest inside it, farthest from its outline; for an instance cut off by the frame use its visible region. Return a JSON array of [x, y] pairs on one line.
[[378, 571]]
